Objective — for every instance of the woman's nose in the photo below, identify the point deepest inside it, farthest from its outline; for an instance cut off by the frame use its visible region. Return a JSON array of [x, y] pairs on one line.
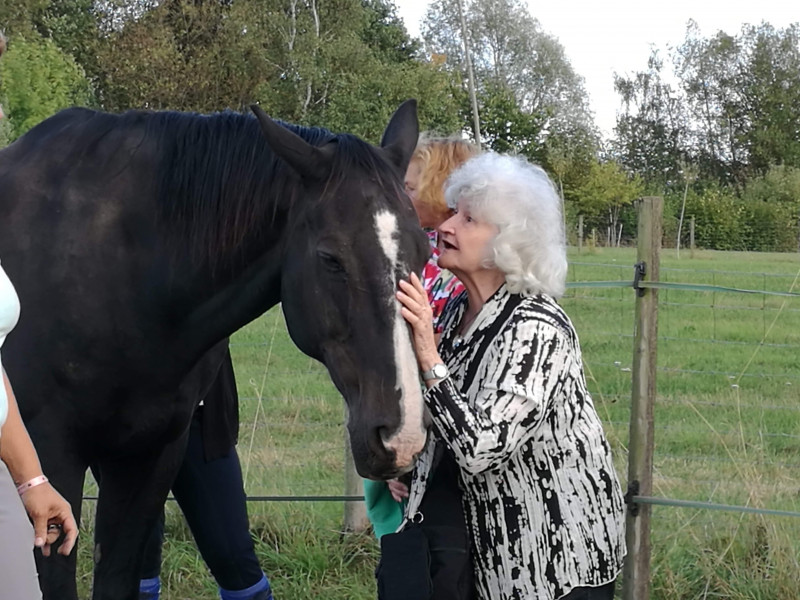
[[447, 225]]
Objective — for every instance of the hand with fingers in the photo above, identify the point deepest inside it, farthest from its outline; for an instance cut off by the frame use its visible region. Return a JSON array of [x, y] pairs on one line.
[[52, 517], [416, 310], [398, 489]]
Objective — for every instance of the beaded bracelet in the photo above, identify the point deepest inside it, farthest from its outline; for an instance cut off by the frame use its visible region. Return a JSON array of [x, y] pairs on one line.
[[24, 487]]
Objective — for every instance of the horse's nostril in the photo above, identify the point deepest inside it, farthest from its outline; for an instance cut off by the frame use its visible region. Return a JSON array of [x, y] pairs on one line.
[[384, 434]]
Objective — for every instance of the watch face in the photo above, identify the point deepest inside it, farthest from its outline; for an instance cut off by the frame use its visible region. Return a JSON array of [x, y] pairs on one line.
[[440, 371]]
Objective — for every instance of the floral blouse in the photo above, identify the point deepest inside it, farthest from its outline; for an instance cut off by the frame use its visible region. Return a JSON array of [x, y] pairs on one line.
[[440, 284], [541, 497]]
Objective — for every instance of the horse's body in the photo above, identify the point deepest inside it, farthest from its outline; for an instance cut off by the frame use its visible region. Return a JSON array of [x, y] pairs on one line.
[[138, 242]]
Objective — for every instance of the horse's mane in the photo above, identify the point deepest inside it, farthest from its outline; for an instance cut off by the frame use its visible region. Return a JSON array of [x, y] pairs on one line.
[[220, 184]]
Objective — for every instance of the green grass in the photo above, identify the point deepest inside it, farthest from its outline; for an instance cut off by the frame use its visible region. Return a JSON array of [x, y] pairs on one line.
[[727, 431]]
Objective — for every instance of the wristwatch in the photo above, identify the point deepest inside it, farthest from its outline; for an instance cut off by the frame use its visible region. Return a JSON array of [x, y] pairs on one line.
[[437, 371]]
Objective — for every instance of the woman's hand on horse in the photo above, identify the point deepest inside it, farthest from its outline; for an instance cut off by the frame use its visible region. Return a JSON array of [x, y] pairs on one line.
[[52, 517], [416, 310], [398, 489]]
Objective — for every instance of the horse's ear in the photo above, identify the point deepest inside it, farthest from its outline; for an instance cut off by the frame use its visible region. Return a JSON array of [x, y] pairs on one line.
[[401, 135], [309, 161]]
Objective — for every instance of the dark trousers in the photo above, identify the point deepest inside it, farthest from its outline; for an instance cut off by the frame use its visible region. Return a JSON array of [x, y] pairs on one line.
[[604, 592], [211, 496]]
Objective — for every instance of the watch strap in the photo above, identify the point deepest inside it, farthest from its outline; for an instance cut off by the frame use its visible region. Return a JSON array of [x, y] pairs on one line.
[[432, 374]]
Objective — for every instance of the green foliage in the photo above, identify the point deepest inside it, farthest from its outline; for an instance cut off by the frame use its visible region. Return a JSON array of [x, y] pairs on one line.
[[718, 215], [724, 221], [385, 33], [602, 197], [769, 227], [526, 88], [650, 132], [779, 184], [505, 127], [342, 64], [6, 133], [36, 80], [734, 111]]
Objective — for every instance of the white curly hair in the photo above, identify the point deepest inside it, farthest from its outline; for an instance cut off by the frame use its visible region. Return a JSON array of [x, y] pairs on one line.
[[521, 201]]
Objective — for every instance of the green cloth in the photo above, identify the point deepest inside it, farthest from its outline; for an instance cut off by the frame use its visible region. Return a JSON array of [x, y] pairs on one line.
[[383, 511]]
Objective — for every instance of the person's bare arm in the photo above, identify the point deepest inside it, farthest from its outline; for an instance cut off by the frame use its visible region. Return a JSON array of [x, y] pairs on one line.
[[44, 504]]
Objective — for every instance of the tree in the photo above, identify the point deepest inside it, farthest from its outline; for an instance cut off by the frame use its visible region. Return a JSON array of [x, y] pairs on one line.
[[734, 111], [651, 131], [342, 64], [36, 80], [606, 191], [505, 127], [771, 91], [516, 64]]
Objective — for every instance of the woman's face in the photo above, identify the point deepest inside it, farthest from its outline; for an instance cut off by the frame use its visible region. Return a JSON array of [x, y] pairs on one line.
[[425, 215], [413, 174], [464, 241]]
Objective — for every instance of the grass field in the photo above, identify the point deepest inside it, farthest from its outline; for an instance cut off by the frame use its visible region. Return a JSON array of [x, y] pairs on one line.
[[727, 431]]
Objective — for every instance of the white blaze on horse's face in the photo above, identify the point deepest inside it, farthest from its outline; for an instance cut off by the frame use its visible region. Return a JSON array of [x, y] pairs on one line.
[[410, 436]]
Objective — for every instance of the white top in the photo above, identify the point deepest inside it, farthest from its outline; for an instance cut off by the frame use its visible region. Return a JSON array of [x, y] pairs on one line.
[[9, 315]]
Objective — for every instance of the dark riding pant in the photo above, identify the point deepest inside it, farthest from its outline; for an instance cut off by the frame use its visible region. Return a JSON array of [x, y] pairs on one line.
[[211, 496]]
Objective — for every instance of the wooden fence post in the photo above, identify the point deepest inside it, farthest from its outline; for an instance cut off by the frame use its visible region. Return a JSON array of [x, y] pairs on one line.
[[580, 233], [636, 574], [355, 512], [691, 236]]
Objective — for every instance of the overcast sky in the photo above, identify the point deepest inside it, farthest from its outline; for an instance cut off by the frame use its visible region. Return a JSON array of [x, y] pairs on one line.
[[601, 38]]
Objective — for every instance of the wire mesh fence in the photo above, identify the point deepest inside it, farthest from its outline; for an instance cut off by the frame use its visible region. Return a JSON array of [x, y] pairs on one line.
[[726, 415]]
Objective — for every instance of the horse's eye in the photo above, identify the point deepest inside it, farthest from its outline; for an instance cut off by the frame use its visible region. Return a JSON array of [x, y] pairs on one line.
[[331, 262]]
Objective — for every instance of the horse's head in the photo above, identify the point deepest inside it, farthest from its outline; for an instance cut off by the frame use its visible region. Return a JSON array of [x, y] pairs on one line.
[[348, 247]]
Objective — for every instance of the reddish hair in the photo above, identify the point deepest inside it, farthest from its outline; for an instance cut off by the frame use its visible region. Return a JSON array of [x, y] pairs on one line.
[[439, 156]]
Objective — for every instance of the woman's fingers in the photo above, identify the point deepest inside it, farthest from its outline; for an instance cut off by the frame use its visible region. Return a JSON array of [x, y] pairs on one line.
[[70, 528], [398, 489], [52, 516], [417, 283], [413, 296]]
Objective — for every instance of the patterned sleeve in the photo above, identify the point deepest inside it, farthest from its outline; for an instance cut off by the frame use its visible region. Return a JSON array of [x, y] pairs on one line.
[[522, 371]]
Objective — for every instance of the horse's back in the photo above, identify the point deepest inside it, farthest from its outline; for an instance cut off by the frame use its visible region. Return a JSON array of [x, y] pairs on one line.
[[78, 238]]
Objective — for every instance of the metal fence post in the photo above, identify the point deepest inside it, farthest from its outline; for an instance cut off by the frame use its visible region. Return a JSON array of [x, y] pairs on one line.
[[636, 574]]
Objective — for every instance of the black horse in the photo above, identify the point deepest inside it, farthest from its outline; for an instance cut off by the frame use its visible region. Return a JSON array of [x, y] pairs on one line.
[[139, 242]]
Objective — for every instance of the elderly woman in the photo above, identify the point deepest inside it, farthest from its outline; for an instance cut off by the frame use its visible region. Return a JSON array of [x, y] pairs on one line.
[[507, 394]]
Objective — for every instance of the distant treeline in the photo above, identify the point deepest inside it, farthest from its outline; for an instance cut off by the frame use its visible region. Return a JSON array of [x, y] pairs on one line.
[[715, 120]]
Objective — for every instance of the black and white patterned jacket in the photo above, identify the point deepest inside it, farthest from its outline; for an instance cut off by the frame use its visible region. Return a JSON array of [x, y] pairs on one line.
[[541, 497]]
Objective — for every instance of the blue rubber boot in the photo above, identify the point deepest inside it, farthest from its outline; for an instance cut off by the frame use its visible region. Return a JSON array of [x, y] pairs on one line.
[[259, 591], [149, 589]]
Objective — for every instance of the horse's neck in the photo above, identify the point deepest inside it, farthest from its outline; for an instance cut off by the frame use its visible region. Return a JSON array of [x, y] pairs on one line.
[[246, 296]]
